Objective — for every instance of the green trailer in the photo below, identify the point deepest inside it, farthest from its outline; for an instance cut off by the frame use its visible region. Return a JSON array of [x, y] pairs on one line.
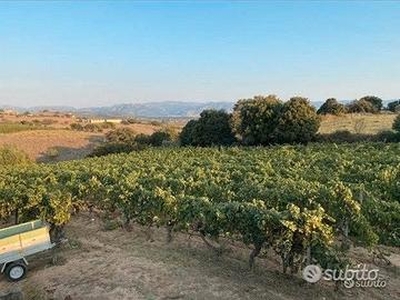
[[20, 241]]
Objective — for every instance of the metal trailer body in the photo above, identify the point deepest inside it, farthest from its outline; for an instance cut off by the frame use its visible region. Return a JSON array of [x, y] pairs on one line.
[[19, 241]]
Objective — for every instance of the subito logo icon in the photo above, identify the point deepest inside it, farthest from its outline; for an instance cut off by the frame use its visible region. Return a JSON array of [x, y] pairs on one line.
[[312, 273]]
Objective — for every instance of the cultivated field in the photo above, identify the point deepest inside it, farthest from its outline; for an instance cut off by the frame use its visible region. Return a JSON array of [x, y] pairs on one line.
[[40, 143], [100, 264]]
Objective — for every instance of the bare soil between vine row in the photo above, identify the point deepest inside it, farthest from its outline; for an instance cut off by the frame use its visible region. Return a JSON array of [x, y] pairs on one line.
[[98, 264]]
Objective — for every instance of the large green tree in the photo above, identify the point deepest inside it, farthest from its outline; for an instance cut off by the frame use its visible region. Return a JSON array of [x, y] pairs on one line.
[[212, 128], [255, 120], [298, 122]]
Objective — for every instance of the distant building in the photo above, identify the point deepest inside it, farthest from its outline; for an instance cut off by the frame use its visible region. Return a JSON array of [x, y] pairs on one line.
[[116, 121]]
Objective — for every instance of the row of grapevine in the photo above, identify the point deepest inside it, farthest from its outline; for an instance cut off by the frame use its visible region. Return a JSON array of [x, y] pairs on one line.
[[297, 200]]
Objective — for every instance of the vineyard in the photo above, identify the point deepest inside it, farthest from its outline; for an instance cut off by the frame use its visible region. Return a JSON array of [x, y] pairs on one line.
[[306, 203]]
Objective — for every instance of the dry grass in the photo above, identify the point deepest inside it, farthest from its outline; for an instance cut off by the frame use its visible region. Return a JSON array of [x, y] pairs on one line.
[[99, 264], [68, 144], [61, 144], [367, 123]]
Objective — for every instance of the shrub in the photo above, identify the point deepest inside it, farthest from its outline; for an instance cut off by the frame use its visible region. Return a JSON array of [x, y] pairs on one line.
[[93, 127], [10, 155], [376, 102], [159, 137], [396, 124], [394, 106], [298, 122], [142, 139], [255, 120], [387, 136], [121, 135], [212, 128], [76, 126], [113, 148], [52, 153], [107, 125], [344, 136], [361, 106], [331, 106]]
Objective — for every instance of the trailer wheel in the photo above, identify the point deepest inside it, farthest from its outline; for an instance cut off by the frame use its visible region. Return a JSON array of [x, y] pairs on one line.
[[15, 271]]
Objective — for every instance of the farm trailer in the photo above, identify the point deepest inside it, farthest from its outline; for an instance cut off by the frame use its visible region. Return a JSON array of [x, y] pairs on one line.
[[20, 241]]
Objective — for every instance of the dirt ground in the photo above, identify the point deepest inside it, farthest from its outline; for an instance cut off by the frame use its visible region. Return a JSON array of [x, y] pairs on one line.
[[96, 263], [67, 143]]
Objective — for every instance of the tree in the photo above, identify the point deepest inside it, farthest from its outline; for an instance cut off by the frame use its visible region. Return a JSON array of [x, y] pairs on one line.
[[212, 128], [255, 120], [394, 106], [375, 101], [396, 124], [333, 107], [298, 122], [361, 106]]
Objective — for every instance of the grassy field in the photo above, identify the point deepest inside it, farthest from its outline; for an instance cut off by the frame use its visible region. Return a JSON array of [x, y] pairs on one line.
[[357, 123], [17, 127]]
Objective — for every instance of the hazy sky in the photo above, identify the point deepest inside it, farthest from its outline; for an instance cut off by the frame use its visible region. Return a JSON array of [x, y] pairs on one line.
[[98, 53]]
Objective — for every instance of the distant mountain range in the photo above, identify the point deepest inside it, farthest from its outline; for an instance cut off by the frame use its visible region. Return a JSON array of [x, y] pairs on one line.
[[166, 109]]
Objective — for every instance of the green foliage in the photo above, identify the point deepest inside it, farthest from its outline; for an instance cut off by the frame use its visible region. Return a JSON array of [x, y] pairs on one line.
[[121, 135], [333, 107], [298, 122], [394, 106], [92, 127], [361, 106], [396, 124], [188, 133], [211, 129], [255, 120], [10, 156], [159, 137], [287, 198], [375, 101]]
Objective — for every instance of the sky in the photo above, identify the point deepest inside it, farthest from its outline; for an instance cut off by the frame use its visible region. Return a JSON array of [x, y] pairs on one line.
[[92, 53]]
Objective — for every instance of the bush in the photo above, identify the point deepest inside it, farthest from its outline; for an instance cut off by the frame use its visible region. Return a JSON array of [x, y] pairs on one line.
[[361, 106], [344, 136], [93, 127], [298, 122], [396, 124], [255, 120], [52, 153], [376, 102], [10, 155], [211, 129], [394, 106], [142, 139], [331, 106], [159, 137], [387, 136], [121, 135], [113, 148], [76, 126]]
